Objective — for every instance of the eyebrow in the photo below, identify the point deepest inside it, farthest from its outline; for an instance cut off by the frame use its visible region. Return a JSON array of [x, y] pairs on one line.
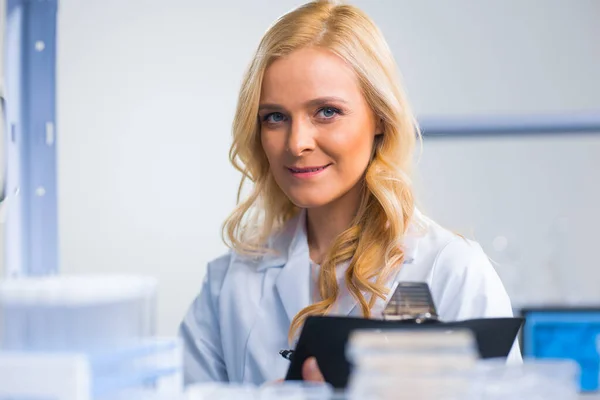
[[320, 101]]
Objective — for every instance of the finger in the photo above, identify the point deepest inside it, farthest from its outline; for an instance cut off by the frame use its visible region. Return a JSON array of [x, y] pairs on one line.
[[276, 382], [311, 371]]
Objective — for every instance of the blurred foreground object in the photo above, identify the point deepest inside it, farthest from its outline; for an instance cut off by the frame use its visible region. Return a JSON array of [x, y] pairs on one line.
[[84, 338], [430, 365], [565, 333]]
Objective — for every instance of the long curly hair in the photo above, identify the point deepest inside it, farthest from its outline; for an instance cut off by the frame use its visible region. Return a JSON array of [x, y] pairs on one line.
[[373, 243]]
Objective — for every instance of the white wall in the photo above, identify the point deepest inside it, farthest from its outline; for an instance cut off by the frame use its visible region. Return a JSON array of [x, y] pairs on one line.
[[147, 89], [2, 136]]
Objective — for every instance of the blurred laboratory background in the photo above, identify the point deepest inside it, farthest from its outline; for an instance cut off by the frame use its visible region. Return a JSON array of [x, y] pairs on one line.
[[146, 90], [137, 115]]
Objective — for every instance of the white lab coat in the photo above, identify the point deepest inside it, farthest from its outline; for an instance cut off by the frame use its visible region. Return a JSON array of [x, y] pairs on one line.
[[237, 325]]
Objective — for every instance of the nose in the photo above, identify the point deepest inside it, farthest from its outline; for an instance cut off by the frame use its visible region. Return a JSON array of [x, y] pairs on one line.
[[300, 138]]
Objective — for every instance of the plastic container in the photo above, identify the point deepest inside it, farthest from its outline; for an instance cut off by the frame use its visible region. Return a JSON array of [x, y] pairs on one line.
[[296, 390], [412, 364], [150, 370], [286, 390], [76, 313], [153, 365], [532, 380], [221, 391]]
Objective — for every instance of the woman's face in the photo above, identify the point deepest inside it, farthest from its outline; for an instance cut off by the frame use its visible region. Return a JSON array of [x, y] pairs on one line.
[[316, 127]]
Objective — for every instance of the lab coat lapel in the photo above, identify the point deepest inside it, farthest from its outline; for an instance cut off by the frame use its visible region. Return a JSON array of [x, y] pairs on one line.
[[348, 305], [293, 281]]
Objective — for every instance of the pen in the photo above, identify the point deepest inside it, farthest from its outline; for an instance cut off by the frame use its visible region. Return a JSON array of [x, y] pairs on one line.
[[287, 354]]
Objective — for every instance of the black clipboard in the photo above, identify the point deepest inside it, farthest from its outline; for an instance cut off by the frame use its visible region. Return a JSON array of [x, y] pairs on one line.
[[325, 338]]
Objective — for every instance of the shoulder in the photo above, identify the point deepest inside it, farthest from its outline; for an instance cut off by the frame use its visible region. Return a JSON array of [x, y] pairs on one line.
[[462, 279], [428, 242], [440, 248], [455, 257], [230, 264], [275, 251], [218, 268]]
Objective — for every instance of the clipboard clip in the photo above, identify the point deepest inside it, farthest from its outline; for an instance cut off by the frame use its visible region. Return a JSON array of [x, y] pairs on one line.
[[411, 301]]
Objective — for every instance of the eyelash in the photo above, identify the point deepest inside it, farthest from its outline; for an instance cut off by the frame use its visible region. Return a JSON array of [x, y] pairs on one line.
[[334, 109]]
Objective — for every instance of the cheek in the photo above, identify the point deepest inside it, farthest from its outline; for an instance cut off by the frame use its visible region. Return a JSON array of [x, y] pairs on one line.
[[351, 148], [271, 146]]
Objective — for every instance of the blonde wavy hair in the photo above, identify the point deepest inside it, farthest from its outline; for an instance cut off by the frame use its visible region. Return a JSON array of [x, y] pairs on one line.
[[372, 244]]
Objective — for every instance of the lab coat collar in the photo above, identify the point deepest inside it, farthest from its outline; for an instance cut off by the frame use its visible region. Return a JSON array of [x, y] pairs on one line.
[[282, 246], [292, 239], [291, 253], [293, 282]]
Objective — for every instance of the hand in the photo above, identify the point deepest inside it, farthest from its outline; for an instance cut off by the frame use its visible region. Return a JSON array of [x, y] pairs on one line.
[[311, 371]]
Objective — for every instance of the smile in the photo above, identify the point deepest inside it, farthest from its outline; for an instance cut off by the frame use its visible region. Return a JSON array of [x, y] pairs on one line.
[[307, 171]]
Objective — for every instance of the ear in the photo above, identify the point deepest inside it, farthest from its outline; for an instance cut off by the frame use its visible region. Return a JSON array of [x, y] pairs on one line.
[[379, 127]]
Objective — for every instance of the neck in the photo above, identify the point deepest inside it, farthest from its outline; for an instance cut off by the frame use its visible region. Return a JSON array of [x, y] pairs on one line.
[[325, 223]]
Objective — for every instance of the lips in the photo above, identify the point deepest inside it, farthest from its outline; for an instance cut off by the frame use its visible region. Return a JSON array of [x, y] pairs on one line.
[[298, 170]]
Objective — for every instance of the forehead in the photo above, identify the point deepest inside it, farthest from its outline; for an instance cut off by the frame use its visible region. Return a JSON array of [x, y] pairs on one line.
[[307, 74]]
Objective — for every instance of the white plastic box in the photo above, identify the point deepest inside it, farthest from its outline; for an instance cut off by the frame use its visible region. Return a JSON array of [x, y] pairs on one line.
[[151, 370], [85, 338], [76, 312]]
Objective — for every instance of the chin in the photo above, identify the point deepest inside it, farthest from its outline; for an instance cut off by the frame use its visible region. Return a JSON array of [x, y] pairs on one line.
[[308, 203], [304, 201]]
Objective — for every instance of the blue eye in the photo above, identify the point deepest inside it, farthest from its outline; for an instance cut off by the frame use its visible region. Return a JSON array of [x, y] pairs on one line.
[[274, 118], [328, 112]]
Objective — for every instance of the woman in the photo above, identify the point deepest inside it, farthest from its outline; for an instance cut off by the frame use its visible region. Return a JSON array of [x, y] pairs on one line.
[[324, 132]]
